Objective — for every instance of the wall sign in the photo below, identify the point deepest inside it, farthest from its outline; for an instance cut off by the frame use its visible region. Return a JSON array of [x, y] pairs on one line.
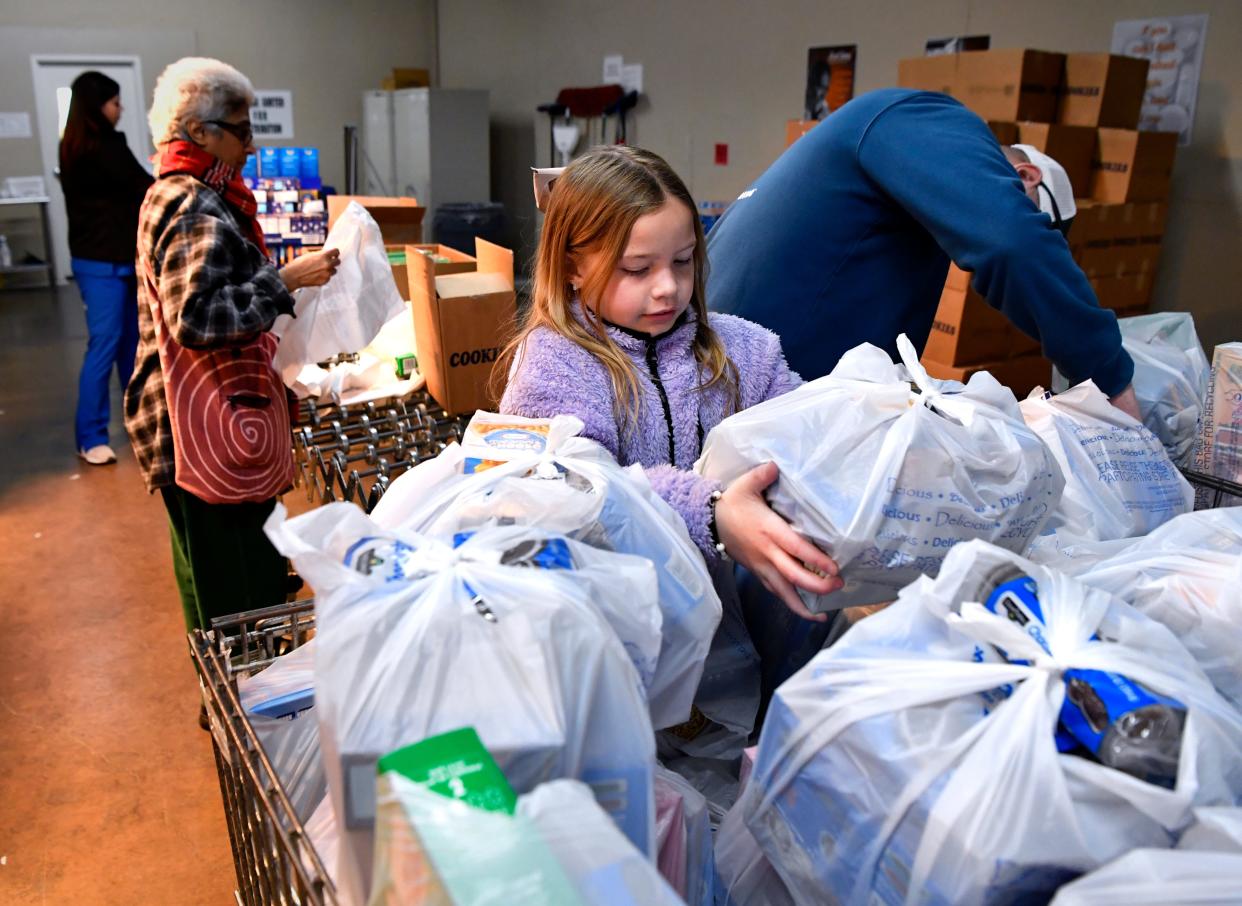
[[272, 115]]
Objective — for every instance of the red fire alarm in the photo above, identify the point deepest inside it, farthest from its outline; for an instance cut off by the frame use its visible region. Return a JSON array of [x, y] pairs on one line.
[[722, 154]]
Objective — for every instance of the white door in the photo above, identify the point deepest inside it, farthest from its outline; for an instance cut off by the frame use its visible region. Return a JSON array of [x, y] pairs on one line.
[[53, 74]]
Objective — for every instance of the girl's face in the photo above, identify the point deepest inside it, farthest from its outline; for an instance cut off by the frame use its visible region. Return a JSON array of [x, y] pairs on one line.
[[653, 280], [112, 110]]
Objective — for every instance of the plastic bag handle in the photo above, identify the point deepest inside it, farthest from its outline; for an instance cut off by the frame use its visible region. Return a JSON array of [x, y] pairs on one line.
[[931, 395]]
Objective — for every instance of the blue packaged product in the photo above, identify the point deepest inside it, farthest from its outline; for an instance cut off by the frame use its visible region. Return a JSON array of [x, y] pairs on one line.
[[1123, 724], [269, 162], [290, 162], [308, 168], [250, 169]]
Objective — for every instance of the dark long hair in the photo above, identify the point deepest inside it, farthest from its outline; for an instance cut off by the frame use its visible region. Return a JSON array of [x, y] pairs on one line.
[[86, 122]]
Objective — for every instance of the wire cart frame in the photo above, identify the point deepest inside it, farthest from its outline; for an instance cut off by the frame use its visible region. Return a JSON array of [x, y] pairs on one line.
[[273, 857]]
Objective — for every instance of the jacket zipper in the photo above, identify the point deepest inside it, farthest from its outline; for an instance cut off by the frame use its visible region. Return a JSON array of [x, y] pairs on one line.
[[653, 366]]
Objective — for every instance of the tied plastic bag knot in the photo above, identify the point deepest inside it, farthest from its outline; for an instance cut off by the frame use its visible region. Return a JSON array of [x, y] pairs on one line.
[[546, 469], [929, 393]]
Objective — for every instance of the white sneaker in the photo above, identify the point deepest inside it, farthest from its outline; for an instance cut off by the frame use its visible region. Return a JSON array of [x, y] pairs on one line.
[[100, 455]]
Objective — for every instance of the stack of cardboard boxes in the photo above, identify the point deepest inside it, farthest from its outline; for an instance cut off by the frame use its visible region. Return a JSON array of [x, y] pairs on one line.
[[1082, 110]]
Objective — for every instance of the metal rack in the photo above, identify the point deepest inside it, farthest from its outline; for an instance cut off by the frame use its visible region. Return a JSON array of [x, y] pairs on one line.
[[1212, 492], [352, 453], [275, 861]]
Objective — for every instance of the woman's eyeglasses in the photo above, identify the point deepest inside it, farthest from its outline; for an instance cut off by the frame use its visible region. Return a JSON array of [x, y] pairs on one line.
[[243, 132]]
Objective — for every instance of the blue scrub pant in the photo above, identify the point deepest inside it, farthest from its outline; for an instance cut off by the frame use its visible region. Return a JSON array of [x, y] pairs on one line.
[[110, 293]]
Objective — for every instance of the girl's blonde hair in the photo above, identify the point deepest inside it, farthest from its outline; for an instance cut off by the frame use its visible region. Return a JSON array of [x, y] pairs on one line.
[[592, 208]]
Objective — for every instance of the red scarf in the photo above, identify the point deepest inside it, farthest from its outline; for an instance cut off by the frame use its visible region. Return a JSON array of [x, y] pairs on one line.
[[180, 156]]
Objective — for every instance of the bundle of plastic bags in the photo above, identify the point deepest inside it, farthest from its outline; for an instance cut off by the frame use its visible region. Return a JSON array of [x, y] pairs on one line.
[[886, 469], [417, 636], [347, 312], [1187, 575], [1170, 377], [450, 831], [1119, 481], [514, 471], [995, 733], [279, 701], [684, 838]]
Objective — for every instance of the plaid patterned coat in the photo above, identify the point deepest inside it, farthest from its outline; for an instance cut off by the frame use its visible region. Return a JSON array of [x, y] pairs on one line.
[[215, 288]]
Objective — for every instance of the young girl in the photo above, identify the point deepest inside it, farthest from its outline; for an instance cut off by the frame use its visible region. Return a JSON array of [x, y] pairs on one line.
[[619, 335]]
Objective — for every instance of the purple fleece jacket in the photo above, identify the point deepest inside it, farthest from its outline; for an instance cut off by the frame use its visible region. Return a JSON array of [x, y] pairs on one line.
[[556, 376]]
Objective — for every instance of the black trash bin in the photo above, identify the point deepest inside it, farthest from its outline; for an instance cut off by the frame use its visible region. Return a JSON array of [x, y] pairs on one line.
[[457, 223]]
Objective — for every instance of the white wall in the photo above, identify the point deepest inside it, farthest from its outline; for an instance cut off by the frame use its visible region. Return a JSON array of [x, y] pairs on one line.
[[327, 53], [733, 71]]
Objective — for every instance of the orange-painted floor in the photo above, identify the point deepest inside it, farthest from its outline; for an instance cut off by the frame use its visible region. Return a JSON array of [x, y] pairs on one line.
[[108, 790]]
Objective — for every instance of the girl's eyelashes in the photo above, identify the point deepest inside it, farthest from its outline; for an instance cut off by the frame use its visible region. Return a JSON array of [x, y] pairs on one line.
[[682, 261], [634, 271]]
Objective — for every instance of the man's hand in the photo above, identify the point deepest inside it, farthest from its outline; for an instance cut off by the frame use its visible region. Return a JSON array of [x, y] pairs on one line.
[[764, 543], [1127, 402]]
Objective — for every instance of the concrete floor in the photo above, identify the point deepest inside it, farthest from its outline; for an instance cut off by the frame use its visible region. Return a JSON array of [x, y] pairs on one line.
[[108, 790]]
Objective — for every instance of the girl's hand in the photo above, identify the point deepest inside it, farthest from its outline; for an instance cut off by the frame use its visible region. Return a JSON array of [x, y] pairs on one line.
[[765, 543], [311, 269]]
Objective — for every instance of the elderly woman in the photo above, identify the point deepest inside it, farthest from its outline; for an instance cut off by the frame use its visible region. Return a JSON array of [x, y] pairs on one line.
[[206, 413]]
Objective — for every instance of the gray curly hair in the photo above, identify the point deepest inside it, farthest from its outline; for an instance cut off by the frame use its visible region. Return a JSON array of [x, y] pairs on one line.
[[198, 88]]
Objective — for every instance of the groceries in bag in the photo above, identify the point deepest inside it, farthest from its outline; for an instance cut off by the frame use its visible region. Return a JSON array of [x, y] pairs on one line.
[[347, 312], [886, 469], [945, 751], [1187, 575], [1119, 481], [451, 831], [683, 826], [417, 637], [1218, 451], [538, 472], [1170, 377]]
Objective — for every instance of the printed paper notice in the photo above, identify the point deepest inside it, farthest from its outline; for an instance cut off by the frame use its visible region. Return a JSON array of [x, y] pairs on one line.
[[272, 115], [15, 125], [1174, 45], [612, 69]]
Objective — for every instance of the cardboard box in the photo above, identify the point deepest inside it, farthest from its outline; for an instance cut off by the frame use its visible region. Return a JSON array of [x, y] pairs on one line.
[[1000, 85], [1124, 293], [461, 322], [795, 129], [400, 219], [1006, 133], [966, 329], [929, 73], [1073, 147], [458, 262], [1098, 221], [1132, 166], [1120, 258], [406, 78], [957, 278], [1021, 374], [1102, 90]]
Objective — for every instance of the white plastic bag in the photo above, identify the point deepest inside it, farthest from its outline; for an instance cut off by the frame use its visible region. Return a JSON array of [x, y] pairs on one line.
[[886, 468], [1119, 481], [416, 637], [548, 477], [347, 312], [604, 867], [685, 852], [1187, 574], [1159, 877], [910, 763], [1215, 830], [1170, 377]]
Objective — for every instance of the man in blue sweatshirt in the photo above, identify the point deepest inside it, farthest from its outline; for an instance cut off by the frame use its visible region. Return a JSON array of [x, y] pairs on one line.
[[847, 239]]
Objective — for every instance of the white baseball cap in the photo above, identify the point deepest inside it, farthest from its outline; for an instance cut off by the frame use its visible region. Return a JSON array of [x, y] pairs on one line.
[[1055, 181]]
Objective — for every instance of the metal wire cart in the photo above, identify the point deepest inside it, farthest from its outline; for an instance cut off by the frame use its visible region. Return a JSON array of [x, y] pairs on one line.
[[342, 453], [274, 858]]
